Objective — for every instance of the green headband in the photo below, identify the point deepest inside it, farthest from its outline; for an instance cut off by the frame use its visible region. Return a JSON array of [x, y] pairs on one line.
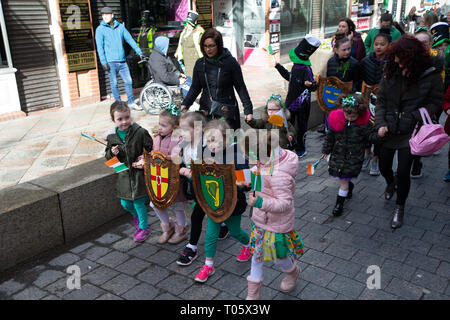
[[174, 110], [278, 98]]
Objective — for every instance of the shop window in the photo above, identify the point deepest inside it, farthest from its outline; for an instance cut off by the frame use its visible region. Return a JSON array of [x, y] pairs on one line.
[[3, 61], [334, 10], [295, 18]]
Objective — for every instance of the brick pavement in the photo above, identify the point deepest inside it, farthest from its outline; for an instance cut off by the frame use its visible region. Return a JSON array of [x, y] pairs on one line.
[[414, 260]]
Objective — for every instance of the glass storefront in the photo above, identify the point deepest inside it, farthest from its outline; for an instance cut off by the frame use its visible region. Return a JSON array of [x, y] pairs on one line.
[[333, 11], [295, 18]]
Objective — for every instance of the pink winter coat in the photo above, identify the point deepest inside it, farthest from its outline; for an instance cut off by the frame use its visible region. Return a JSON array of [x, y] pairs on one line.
[[277, 211], [166, 146]]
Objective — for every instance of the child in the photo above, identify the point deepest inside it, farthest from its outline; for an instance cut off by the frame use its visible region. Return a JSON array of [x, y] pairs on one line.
[[346, 139], [342, 65], [191, 150], [166, 143], [371, 73], [301, 84], [286, 131], [127, 143], [223, 151], [273, 236]]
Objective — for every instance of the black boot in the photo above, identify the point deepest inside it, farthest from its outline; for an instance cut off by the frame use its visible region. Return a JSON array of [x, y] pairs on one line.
[[350, 190], [339, 207], [389, 192], [397, 219]]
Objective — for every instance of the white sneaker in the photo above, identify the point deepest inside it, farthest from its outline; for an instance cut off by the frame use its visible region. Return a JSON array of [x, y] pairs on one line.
[[374, 170], [134, 106], [367, 158]]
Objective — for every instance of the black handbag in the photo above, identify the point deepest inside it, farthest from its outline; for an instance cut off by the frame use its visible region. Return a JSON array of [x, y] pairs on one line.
[[219, 109]]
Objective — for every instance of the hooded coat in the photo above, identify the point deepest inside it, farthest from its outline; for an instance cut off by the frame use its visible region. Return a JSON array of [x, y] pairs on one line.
[[346, 142], [224, 74], [277, 213], [161, 65], [345, 70], [130, 184]]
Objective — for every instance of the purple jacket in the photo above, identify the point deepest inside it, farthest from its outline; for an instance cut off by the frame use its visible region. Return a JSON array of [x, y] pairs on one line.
[[358, 50]]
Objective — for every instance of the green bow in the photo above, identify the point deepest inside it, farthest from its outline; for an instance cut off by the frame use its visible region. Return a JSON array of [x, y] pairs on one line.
[[174, 110], [420, 29], [349, 101], [278, 98]]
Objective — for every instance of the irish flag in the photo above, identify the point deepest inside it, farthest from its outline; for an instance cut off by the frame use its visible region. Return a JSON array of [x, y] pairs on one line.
[[255, 178], [312, 167], [268, 49], [116, 165]]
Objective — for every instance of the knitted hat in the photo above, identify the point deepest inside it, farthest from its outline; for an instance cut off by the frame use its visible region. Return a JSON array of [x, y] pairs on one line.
[[440, 33], [191, 18], [307, 47], [106, 10]]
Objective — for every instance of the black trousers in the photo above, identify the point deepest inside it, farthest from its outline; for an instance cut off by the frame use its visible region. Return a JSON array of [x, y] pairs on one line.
[[299, 119], [196, 224], [405, 159]]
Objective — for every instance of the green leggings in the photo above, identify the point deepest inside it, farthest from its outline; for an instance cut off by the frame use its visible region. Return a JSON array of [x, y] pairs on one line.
[[137, 208], [212, 234]]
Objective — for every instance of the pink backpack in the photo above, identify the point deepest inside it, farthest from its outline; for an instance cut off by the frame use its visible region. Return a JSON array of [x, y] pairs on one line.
[[430, 138]]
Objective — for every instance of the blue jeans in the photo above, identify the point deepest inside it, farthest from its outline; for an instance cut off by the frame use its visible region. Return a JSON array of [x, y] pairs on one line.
[[121, 68], [186, 86]]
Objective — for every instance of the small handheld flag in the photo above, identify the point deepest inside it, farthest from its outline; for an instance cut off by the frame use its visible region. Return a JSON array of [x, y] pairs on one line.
[[312, 167], [244, 175], [257, 181], [92, 137], [116, 165], [278, 119], [268, 49]]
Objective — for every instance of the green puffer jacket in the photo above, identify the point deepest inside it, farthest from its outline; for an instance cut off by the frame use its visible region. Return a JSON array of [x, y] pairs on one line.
[[130, 183], [346, 142]]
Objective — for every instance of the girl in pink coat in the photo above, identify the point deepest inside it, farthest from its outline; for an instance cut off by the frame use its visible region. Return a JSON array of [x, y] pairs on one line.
[[273, 236], [165, 143]]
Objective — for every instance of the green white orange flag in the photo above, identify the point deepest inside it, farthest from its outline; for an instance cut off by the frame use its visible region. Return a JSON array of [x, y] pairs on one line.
[[116, 165], [312, 167], [268, 49]]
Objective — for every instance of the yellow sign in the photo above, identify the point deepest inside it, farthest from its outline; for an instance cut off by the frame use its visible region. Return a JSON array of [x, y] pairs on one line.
[[81, 61]]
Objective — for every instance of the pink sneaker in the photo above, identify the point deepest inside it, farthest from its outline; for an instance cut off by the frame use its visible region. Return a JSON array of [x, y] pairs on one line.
[[141, 235], [245, 254], [203, 275], [136, 222]]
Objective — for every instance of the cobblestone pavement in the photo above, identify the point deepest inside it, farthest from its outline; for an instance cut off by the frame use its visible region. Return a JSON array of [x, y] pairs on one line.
[[414, 260], [48, 142]]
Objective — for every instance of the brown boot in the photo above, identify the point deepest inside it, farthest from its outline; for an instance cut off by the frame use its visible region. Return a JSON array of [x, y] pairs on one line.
[[179, 235], [168, 230], [254, 290], [290, 280]]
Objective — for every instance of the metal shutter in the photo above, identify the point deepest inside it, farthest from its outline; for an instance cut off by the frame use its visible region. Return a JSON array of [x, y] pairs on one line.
[[96, 7], [32, 53]]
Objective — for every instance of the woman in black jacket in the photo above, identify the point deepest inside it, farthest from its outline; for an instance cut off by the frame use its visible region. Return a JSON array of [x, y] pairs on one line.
[[216, 75], [371, 72], [409, 83]]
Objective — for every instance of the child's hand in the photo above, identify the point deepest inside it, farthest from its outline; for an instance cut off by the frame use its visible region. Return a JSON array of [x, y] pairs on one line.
[[139, 164], [290, 138], [243, 184], [308, 83], [382, 131], [186, 172], [251, 199], [115, 150], [323, 156]]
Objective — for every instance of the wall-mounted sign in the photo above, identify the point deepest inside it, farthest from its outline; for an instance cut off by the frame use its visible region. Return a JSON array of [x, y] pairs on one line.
[[205, 14], [363, 24], [76, 25]]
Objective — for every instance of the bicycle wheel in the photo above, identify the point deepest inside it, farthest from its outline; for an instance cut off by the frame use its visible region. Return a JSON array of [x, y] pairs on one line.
[[155, 97]]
